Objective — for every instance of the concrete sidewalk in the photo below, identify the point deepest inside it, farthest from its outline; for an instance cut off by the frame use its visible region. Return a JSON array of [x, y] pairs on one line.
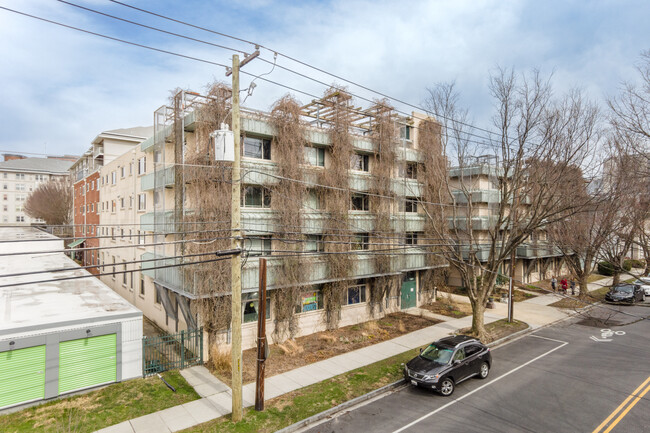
[[216, 397]]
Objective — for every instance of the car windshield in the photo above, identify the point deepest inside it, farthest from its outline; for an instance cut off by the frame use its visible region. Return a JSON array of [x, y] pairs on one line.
[[624, 289], [438, 354]]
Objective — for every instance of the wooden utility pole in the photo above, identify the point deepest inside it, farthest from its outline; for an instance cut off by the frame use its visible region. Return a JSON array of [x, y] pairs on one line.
[[261, 339], [235, 262]]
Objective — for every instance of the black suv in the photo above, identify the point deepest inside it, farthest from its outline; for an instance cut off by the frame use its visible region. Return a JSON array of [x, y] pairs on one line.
[[447, 362], [625, 293]]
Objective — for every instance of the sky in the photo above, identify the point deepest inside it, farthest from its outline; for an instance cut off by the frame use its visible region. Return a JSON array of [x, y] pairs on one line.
[[61, 88]]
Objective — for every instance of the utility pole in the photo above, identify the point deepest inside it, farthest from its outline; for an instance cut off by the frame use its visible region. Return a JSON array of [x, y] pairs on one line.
[[235, 243], [261, 339], [235, 261]]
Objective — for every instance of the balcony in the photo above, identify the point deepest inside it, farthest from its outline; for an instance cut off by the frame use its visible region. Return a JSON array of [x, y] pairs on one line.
[[98, 151], [478, 223], [157, 221], [159, 178], [537, 250], [478, 196]]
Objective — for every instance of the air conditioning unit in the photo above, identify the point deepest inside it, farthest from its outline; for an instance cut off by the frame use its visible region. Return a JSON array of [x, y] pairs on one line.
[[224, 144]]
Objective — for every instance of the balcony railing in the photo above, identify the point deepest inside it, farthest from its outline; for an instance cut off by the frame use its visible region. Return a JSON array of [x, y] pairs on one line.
[[159, 178], [157, 221]]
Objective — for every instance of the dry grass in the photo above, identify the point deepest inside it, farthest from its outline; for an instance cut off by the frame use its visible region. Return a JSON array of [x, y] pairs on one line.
[[220, 359]]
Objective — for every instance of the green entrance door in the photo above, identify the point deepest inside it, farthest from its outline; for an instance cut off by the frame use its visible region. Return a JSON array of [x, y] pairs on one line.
[[408, 298], [87, 362], [22, 375]]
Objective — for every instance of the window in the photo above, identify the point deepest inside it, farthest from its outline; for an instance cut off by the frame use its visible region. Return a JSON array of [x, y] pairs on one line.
[[315, 156], [122, 172], [256, 196], [250, 307], [141, 285], [83, 209], [20, 176], [141, 238], [259, 246], [20, 187], [359, 202], [259, 148], [472, 350], [356, 294], [408, 170], [459, 355], [314, 244], [92, 207], [142, 201], [113, 206], [156, 297], [411, 238], [405, 135], [130, 168], [410, 205], [113, 233], [124, 273], [130, 202], [4, 197], [97, 187], [358, 162], [313, 201], [156, 198], [360, 241], [157, 156], [142, 165], [4, 186], [5, 208], [310, 301], [113, 268], [113, 178], [20, 219]]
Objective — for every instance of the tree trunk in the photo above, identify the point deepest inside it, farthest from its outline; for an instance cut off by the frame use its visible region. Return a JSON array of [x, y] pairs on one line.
[[616, 279], [582, 282], [478, 323], [646, 271]]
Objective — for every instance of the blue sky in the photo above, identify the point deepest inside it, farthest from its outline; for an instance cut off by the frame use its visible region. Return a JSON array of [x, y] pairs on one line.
[[60, 88]]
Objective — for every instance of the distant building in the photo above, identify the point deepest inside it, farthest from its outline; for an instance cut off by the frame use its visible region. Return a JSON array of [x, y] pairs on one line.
[[86, 177], [20, 176]]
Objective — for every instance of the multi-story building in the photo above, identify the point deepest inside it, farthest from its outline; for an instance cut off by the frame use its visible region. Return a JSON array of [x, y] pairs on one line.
[[86, 177], [536, 259], [20, 176], [333, 198]]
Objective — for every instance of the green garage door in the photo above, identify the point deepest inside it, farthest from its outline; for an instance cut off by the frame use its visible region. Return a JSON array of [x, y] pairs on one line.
[[22, 375], [87, 362]]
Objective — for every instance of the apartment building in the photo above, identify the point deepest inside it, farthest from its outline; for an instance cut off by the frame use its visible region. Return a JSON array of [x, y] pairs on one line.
[[382, 229], [536, 259], [104, 148], [19, 177]]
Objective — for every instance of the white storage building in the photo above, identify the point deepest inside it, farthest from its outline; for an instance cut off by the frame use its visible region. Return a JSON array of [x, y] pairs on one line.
[[57, 337]]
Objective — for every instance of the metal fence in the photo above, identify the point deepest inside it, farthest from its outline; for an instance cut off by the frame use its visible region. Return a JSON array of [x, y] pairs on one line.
[[171, 351]]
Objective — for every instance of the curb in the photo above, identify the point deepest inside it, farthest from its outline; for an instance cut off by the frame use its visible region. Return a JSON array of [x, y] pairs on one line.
[[341, 407]]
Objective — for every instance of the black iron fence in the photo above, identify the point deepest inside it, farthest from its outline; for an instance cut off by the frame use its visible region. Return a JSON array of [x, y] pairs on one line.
[[171, 351]]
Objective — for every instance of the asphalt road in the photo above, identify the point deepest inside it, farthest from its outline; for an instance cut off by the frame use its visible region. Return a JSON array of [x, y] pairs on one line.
[[558, 379]]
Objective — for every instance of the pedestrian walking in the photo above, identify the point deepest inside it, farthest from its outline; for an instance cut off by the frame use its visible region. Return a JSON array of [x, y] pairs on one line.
[[573, 287], [565, 285], [553, 283]]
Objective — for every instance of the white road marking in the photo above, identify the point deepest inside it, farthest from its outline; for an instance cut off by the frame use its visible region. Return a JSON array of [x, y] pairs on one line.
[[564, 343]]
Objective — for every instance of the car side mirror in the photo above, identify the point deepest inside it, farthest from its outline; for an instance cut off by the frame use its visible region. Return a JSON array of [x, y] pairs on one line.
[[457, 361]]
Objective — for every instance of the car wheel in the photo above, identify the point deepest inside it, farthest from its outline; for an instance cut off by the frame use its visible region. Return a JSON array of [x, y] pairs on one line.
[[484, 370], [447, 387]]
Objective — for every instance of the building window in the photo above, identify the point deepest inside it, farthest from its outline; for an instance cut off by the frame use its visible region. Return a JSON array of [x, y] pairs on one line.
[[310, 301], [359, 202], [124, 273], [113, 178], [411, 238], [141, 238], [4, 197], [314, 244], [157, 156], [130, 168], [130, 202], [356, 294], [4, 186], [20, 176], [250, 307], [113, 233], [141, 285], [113, 206], [5, 208], [315, 156], [113, 273], [259, 148], [405, 135], [20, 187], [410, 205], [156, 297], [259, 246], [92, 207], [256, 196], [142, 201], [358, 162], [121, 202], [142, 165], [408, 170], [20, 219], [360, 241], [313, 200], [122, 172]]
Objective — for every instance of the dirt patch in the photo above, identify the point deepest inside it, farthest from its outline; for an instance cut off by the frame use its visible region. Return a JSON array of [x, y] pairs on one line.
[[316, 347], [518, 295], [576, 302], [499, 329], [449, 308]]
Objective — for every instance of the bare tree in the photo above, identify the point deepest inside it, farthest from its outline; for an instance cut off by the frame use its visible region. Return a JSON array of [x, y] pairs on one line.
[[52, 202], [630, 112], [538, 147]]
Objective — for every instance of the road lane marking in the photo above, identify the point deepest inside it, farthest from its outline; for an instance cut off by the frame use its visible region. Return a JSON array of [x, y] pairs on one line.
[[423, 417], [622, 405], [546, 338]]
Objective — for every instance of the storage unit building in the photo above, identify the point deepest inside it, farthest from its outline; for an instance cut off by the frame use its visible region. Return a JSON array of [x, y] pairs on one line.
[[59, 336]]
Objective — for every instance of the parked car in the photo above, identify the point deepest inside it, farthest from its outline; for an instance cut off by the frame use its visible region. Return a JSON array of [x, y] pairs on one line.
[[447, 362], [625, 293], [644, 282]]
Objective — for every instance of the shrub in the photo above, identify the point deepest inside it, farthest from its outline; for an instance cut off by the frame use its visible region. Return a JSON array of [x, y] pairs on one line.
[[633, 264], [605, 268]]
